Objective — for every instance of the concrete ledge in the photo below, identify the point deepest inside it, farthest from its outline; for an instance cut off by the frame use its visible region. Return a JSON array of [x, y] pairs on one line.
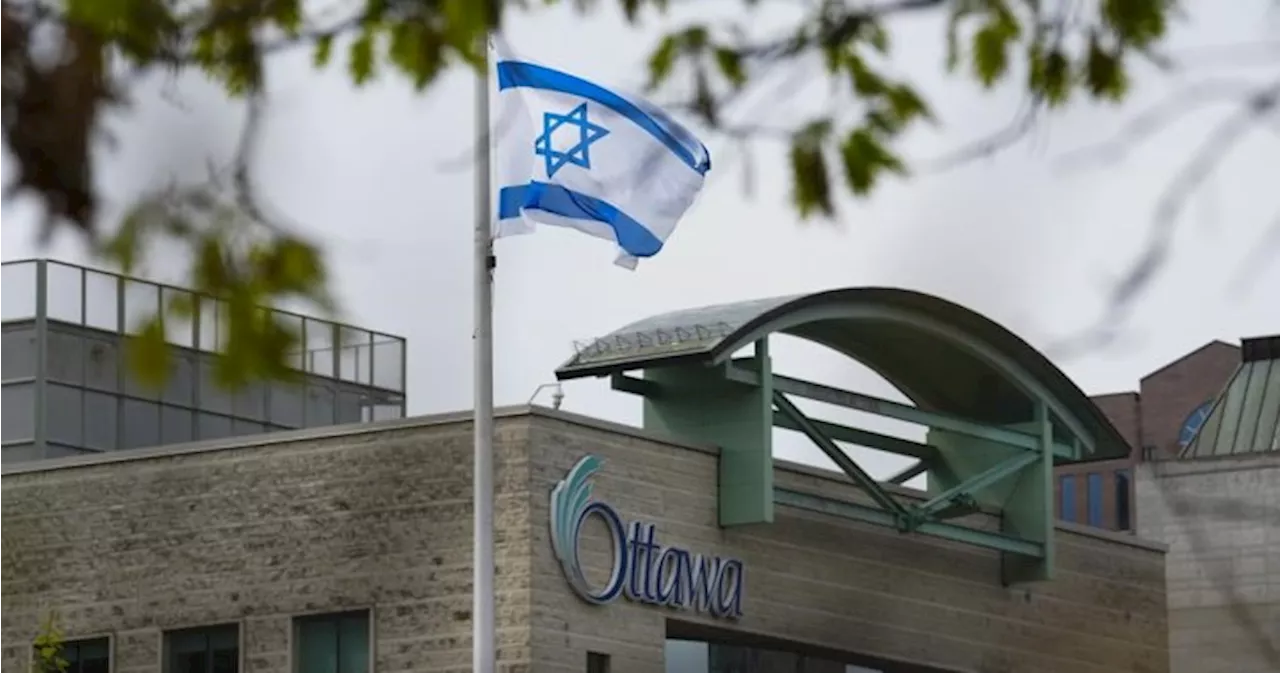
[[247, 441], [459, 417], [1210, 464], [332, 431]]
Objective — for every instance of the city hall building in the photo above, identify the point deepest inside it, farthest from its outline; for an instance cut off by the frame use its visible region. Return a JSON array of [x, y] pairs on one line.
[[680, 546]]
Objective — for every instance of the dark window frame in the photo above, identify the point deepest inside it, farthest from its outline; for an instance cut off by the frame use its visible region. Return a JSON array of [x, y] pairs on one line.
[[1094, 497], [77, 666], [335, 618], [208, 631], [1124, 500], [1067, 506]]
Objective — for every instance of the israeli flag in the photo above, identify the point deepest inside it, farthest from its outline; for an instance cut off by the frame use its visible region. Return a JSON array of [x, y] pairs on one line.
[[572, 153]]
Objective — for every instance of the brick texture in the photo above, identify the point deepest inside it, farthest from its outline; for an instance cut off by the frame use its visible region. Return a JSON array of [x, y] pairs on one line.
[[260, 534], [835, 584], [382, 519], [1171, 393], [1152, 417], [1219, 519]]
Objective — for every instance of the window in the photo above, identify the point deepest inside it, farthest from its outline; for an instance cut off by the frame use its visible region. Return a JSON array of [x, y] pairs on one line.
[[100, 420], [175, 425], [1067, 499], [212, 426], [181, 386], [85, 656], [213, 397], [597, 662], [286, 405], [140, 424], [333, 643], [101, 368], [65, 357], [20, 346], [19, 411], [1123, 515], [320, 406], [250, 401], [64, 411], [1094, 499], [213, 649]]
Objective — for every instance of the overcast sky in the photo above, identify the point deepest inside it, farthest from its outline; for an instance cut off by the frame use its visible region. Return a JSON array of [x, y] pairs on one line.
[[377, 174]]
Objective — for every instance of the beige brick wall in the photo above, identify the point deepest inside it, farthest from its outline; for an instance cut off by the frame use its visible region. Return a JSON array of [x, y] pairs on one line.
[[1220, 519], [380, 517], [835, 584], [260, 534]]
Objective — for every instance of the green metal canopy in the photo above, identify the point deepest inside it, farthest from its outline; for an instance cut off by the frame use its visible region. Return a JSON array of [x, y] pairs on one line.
[[942, 356], [999, 415]]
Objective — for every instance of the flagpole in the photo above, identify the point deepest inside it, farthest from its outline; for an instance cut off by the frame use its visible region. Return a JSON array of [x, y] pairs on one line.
[[482, 609]]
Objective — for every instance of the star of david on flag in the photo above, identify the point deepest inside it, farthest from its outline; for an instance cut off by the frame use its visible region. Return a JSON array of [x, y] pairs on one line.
[[572, 153], [579, 153]]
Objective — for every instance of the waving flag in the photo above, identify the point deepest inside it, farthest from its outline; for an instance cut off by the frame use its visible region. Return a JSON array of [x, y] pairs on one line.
[[572, 153]]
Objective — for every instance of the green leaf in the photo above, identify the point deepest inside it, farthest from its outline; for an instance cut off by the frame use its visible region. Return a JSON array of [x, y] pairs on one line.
[[907, 104], [630, 9], [1137, 22], [360, 61], [878, 37], [662, 60], [865, 158], [811, 184], [287, 15], [148, 353], [323, 52], [730, 63], [865, 82], [1104, 74], [991, 52]]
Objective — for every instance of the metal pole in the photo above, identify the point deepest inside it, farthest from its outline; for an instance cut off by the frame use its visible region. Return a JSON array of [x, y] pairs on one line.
[[482, 612]]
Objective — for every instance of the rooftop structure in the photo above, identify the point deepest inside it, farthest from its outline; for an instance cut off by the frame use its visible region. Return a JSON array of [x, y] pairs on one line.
[[1245, 418], [67, 391], [999, 414]]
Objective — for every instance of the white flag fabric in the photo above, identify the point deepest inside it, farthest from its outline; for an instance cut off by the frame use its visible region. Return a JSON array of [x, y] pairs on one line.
[[571, 153]]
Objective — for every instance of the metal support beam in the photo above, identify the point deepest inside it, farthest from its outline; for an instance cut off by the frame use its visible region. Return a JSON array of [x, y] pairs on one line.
[[742, 371], [957, 498], [879, 517], [875, 440], [993, 474], [837, 455], [627, 384], [910, 473]]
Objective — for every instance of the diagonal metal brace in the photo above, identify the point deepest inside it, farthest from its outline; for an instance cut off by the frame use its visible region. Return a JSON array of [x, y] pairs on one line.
[[836, 454], [961, 495]]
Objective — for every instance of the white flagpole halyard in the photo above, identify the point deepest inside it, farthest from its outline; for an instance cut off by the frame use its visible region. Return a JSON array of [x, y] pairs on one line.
[[482, 608]]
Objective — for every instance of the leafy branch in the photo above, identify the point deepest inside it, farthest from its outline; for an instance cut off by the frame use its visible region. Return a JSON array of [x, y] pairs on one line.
[[1057, 51]]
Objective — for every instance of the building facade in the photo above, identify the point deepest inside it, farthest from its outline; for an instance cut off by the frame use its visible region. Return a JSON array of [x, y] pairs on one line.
[[1158, 421], [349, 549], [1217, 505], [68, 390], [679, 547]]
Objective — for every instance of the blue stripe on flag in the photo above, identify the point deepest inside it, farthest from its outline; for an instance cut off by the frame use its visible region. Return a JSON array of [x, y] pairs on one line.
[[630, 234], [519, 74]]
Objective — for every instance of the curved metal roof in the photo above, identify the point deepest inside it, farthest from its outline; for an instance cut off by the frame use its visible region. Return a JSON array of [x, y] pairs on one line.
[[944, 357]]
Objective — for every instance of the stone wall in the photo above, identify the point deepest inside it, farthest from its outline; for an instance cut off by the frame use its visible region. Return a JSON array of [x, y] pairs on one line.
[[1221, 520], [833, 584], [372, 517], [379, 516]]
